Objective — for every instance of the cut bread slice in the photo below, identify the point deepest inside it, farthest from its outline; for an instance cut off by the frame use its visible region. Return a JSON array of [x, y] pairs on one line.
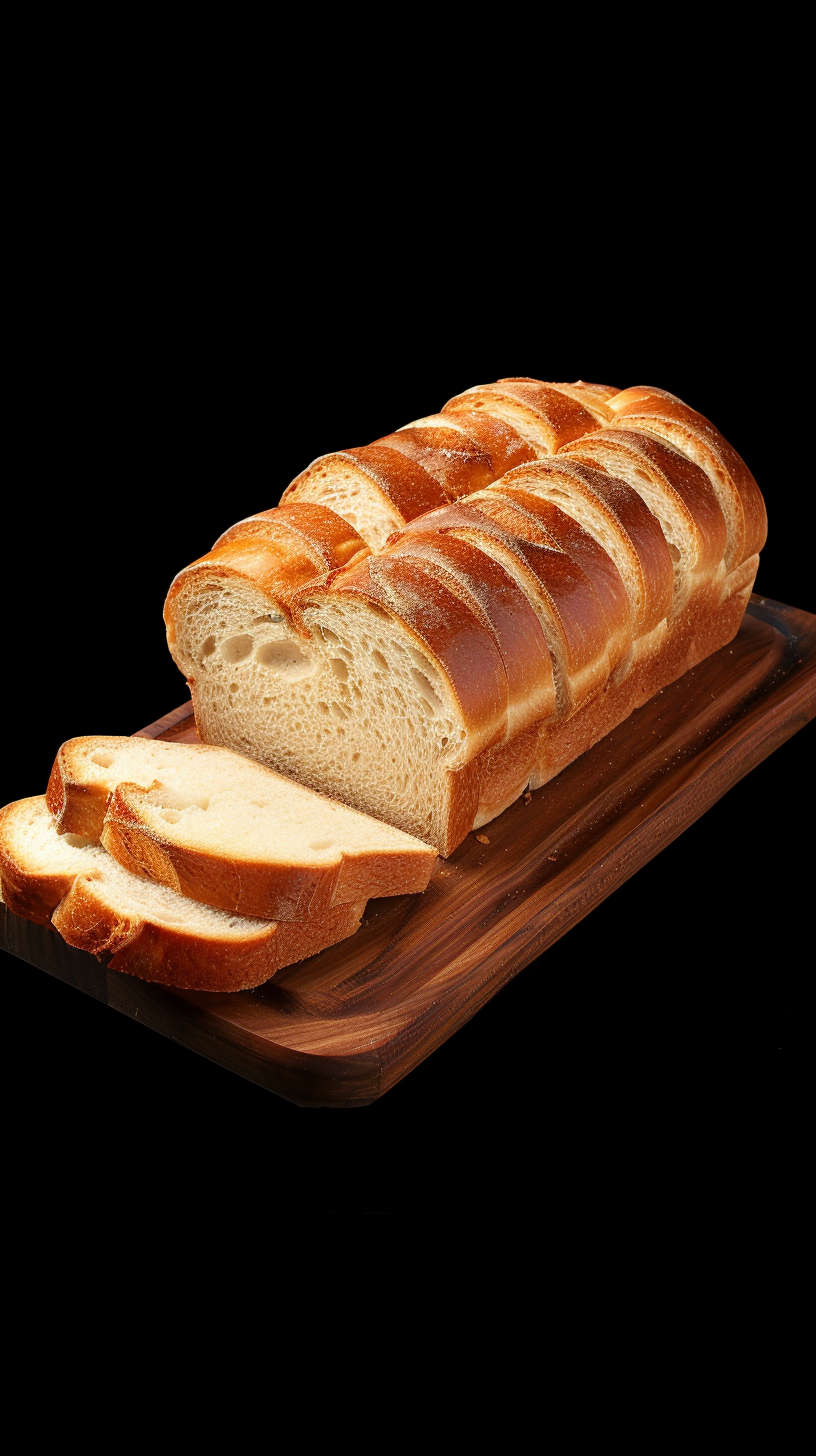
[[226, 831], [149, 930]]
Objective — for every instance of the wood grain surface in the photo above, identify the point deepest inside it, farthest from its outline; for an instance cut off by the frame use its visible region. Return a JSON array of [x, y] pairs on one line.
[[343, 1027]]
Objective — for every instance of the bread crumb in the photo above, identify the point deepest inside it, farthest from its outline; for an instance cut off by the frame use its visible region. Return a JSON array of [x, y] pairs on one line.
[[482, 838], [527, 797]]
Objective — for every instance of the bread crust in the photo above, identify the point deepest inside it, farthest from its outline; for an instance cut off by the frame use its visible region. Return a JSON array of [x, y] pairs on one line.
[[578, 634], [502, 445], [465, 652], [402, 482], [526, 513], [331, 541], [457, 464], [172, 957], [594, 397], [544, 416], [654, 411], [702, 632], [631, 524], [686, 488], [495, 598]]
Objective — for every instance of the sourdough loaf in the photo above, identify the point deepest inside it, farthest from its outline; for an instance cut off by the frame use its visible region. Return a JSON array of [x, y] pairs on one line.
[[148, 930], [221, 829], [522, 571]]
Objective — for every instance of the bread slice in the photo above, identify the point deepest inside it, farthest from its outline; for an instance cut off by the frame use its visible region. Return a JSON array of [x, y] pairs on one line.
[[149, 930], [226, 831]]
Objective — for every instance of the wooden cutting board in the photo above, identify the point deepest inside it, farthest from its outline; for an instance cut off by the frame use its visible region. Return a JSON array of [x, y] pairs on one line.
[[343, 1027]]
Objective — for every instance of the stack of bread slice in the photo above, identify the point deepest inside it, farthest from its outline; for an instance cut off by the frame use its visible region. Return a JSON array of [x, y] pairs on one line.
[[192, 866], [428, 625]]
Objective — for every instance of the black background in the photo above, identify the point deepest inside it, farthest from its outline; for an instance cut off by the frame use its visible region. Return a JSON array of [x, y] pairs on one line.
[[168, 382]]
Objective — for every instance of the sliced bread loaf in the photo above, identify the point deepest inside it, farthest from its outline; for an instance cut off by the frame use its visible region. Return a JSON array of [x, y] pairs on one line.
[[413, 682], [149, 930], [224, 830]]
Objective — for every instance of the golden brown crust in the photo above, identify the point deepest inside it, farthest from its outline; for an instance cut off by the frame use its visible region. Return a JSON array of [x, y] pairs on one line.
[[522, 513], [455, 463], [445, 626], [500, 604], [578, 633], [174, 957], [594, 397], [702, 631], [684, 484], [630, 523], [554, 418], [654, 411], [402, 482], [327, 538]]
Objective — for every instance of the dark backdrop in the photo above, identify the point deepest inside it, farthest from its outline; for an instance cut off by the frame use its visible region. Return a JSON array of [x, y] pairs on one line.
[[163, 390]]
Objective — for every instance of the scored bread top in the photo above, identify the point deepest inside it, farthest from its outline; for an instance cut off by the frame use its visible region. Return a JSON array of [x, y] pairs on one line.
[[502, 444], [572, 614], [676, 490], [618, 518], [544, 416], [498, 601], [655, 412], [150, 930], [226, 831]]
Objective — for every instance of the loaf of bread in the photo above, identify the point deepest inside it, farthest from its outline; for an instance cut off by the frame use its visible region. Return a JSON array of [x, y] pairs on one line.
[[428, 625], [228, 832], [148, 930]]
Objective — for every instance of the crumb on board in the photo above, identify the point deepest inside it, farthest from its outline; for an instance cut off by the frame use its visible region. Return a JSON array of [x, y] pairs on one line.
[[527, 797], [482, 838]]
